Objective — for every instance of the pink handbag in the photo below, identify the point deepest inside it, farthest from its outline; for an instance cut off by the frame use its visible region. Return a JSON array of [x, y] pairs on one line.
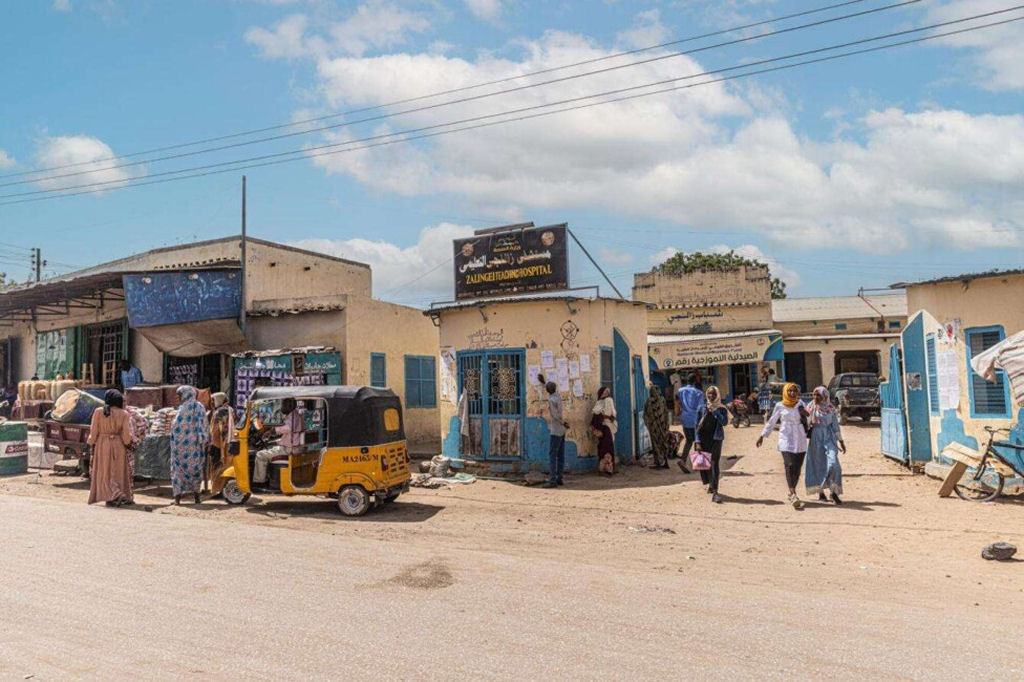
[[700, 460]]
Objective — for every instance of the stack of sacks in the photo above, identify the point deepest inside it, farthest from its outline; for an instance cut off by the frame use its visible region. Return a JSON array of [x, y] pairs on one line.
[[162, 422], [138, 424]]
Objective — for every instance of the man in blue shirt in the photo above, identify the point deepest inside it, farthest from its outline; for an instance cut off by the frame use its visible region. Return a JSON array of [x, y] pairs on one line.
[[130, 376], [690, 401]]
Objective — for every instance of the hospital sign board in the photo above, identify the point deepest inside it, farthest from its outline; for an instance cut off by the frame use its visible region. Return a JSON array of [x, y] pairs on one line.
[[519, 261]]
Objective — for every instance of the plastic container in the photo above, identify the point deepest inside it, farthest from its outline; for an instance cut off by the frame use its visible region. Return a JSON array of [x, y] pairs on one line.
[[75, 407], [13, 448]]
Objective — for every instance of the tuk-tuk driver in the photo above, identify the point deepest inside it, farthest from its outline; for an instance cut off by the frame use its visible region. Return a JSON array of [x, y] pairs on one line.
[[291, 434]]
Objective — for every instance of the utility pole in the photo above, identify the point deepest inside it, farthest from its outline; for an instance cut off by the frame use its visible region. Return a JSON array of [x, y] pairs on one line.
[[37, 263], [241, 317]]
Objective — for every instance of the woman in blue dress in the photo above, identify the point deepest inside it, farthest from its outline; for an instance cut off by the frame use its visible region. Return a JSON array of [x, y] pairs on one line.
[[823, 471]]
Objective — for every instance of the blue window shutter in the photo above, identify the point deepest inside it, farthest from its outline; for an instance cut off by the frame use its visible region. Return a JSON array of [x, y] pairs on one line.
[[933, 374], [988, 399], [378, 370], [428, 382]]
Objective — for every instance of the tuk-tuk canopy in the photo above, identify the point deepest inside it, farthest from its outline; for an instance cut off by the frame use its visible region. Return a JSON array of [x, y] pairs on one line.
[[355, 414]]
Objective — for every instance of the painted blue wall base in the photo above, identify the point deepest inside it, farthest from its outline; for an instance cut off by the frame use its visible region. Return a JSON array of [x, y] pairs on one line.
[[952, 432], [537, 441]]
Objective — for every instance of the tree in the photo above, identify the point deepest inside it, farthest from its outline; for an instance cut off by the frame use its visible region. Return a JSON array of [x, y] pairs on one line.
[[685, 263]]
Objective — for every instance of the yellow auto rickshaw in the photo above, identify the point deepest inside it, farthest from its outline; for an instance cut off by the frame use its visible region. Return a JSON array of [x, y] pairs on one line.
[[352, 446]]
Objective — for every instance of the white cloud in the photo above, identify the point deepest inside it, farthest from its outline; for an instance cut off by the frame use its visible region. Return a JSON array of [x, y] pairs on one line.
[[996, 52], [787, 275], [713, 157], [375, 24], [647, 30], [485, 10], [72, 150], [62, 5], [614, 256], [6, 160], [663, 255], [415, 275], [287, 40]]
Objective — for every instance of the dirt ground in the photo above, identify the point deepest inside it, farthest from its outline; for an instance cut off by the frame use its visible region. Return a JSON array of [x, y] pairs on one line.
[[894, 554]]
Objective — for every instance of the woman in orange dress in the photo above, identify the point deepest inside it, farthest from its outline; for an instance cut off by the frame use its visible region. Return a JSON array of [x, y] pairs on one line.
[[109, 437]]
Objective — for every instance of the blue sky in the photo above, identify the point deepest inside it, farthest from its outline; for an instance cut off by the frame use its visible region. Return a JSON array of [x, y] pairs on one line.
[[853, 173]]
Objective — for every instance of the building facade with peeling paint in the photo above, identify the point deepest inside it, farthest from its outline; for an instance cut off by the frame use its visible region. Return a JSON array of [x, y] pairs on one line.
[[935, 399], [492, 402]]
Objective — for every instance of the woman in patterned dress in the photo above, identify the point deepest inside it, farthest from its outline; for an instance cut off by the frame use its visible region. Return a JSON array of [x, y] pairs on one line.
[[657, 422], [189, 436]]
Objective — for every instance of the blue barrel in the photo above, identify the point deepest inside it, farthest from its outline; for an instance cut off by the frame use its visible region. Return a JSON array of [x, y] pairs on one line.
[[13, 448], [75, 407]]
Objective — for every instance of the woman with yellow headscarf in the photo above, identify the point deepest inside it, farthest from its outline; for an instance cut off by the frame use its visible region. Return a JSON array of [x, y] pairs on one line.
[[791, 415]]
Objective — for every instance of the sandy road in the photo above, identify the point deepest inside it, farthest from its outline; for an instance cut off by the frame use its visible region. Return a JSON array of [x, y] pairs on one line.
[[638, 576]]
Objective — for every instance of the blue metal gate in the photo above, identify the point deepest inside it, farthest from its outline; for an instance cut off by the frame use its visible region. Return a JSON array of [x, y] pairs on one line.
[[643, 438], [894, 418], [494, 386], [622, 392], [915, 372]]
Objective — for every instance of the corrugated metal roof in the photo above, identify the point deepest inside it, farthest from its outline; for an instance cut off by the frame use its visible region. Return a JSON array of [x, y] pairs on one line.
[[838, 308], [959, 278]]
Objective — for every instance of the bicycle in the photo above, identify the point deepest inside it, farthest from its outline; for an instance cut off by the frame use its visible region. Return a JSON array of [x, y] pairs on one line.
[[972, 488]]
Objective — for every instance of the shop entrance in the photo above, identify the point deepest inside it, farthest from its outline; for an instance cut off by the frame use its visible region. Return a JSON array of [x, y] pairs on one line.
[[493, 384], [105, 347], [742, 379], [201, 372], [857, 361]]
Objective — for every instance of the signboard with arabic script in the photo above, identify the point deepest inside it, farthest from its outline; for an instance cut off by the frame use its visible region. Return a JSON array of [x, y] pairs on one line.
[[534, 259], [698, 352]]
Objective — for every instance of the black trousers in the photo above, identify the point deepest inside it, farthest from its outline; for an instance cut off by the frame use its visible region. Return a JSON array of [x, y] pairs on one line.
[[690, 434], [709, 477], [793, 463]]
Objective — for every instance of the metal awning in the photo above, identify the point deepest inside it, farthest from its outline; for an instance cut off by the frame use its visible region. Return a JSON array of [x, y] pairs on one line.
[[682, 351]]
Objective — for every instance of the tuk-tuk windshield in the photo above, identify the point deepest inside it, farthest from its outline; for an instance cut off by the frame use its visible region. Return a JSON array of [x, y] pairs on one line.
[[312, 410]]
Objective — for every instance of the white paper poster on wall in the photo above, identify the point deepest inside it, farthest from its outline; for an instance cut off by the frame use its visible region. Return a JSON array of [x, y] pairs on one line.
[[584, 363], [574, 369], [534, 373], [577, 388], [947, 370], [449, 384], [547, 359]]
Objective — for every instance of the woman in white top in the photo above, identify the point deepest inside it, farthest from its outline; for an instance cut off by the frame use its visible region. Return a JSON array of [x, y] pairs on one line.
[[604, 424], [790, 415]]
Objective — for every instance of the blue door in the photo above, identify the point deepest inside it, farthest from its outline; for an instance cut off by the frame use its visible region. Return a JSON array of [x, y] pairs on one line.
[[622, 391], [915, 375], [494, 386], [894, 418], [643, 438]]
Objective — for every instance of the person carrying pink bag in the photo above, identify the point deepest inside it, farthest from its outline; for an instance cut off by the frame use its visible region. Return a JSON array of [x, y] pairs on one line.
[[712, 417]]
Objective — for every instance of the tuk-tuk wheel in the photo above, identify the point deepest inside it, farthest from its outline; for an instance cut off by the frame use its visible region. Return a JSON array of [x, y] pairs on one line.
[[233, 494], [353, 500]]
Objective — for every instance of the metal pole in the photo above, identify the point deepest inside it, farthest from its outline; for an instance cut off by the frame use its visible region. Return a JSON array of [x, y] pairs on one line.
[[587, 254], [38, 257], [245, 268]]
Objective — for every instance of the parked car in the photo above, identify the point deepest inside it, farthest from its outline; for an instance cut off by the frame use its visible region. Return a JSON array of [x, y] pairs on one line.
[[855, 394]]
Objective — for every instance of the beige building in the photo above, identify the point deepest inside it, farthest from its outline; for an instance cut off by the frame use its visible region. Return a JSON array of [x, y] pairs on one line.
[[715, 323], [826, 336], [493, 350], [952, 319], [82, 323]]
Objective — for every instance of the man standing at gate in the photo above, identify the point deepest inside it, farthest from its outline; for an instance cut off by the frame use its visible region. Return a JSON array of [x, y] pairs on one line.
[[690, 401], [558, 427]]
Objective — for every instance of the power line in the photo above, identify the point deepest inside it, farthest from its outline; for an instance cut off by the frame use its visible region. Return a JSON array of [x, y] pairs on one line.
[[263, 161], [464, 100], [451, 91]]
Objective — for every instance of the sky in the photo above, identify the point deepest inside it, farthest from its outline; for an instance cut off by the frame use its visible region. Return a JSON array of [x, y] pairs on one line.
[[857, 172]]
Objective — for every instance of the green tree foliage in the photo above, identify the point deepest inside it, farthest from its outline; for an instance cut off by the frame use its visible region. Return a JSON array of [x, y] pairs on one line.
[[684, 263]]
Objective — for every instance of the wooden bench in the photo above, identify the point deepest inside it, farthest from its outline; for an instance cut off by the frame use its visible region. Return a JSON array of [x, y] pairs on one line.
[[963, 458]]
